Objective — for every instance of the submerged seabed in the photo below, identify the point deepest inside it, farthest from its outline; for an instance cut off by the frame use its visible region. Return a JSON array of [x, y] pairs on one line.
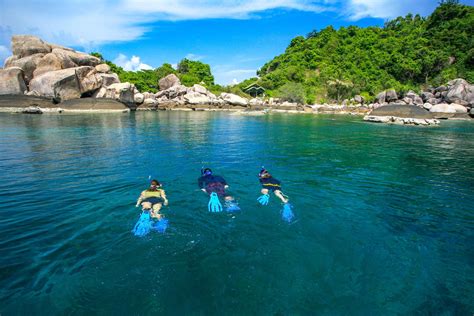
[[384, 221]]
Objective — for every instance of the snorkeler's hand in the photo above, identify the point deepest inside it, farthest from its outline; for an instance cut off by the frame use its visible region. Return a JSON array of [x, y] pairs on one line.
[[203, 190], [137, 205], [166, 203], [226, 186]]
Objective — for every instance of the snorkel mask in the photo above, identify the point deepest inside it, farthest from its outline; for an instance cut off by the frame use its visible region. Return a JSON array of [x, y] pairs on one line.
[[263, 173], [206, 172]]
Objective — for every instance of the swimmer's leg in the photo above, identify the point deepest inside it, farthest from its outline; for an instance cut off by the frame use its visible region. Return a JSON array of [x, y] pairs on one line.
[[280, 196], [155, 213]]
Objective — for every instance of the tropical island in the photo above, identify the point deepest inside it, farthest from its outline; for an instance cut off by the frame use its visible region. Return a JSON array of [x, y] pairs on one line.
[[413, 70]]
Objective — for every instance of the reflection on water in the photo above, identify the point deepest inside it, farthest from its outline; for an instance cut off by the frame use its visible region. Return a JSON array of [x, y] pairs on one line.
[[384, 216]]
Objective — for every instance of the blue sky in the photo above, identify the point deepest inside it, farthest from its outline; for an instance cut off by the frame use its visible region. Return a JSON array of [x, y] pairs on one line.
[[235, 37]]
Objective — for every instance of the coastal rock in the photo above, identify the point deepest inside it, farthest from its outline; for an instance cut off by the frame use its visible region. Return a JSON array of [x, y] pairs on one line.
[[9, 61], [49, 62], [123, 92], [196, 98], [256, 102], [418, 101], [471, 112], [32, 110], [102, 68], [443, 108], [148, 102], [66, 83], [402, 111], [138, 98], [427, 106], [443, 111], [12, 81], [233, 99], [26, 45], [64, 56], [400, 120], [391, 95], [92, 104], [459, 89], [20, 102], [108, 79], [78, 58], [169, 81], [359, 99], [199, 89], [433, 101], [407, 100], [381, 97], [425, 95], [28, 64]]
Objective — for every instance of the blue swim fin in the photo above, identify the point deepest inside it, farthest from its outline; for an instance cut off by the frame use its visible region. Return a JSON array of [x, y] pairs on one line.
[[287, 213], [143, 226], [263, 199], [161, 225], [214, 205], [232, 206]]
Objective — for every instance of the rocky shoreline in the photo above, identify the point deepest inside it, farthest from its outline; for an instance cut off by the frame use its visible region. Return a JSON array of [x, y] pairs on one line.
[[46, 78]]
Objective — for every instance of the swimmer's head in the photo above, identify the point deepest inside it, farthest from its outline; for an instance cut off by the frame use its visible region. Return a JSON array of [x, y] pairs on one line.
[[206, 172]]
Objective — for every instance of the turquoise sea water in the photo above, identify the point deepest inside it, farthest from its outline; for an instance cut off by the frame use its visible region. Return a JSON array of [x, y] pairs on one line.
[[384, 216]]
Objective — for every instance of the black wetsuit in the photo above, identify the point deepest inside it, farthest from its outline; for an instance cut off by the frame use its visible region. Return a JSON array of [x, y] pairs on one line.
[[213, 183], [271, 184]]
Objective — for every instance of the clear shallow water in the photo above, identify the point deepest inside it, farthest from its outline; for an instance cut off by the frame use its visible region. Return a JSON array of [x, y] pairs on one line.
[[385, 220]]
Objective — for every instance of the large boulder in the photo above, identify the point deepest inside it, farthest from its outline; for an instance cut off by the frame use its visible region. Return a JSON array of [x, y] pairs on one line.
[[123, 92], [359, 99], [169, 81], [443, 108], [138, 98], [78, 58], [199, 89], [173, 92], [233, 99], [401, 114], [12, 81], [196, 98], [425, 95], [381, 97], [21, 101], [49, 62], [460, 89], [28, 64], [26, 45], [391, 95], [102, 68], [66, 84], [404, 111], [445, 111], [108, 79]]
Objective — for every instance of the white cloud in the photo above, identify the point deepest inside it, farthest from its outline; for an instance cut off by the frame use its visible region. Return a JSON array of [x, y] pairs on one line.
[[387, 9], [235, 81], [192, 56], [4, 53], [230, 74], [132, 64]]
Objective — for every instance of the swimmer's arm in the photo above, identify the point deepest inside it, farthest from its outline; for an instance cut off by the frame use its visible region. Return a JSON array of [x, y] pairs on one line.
[[140, 199], [165, 200]]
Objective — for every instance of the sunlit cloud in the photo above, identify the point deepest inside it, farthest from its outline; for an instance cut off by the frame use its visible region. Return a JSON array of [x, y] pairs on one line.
[[132, 64]]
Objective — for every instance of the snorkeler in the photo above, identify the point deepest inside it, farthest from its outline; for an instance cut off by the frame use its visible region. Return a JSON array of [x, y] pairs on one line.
[[153, 199], [269, 183], [216, 187]]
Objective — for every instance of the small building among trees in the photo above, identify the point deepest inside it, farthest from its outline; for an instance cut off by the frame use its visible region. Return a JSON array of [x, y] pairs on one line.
[[255, 90]]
